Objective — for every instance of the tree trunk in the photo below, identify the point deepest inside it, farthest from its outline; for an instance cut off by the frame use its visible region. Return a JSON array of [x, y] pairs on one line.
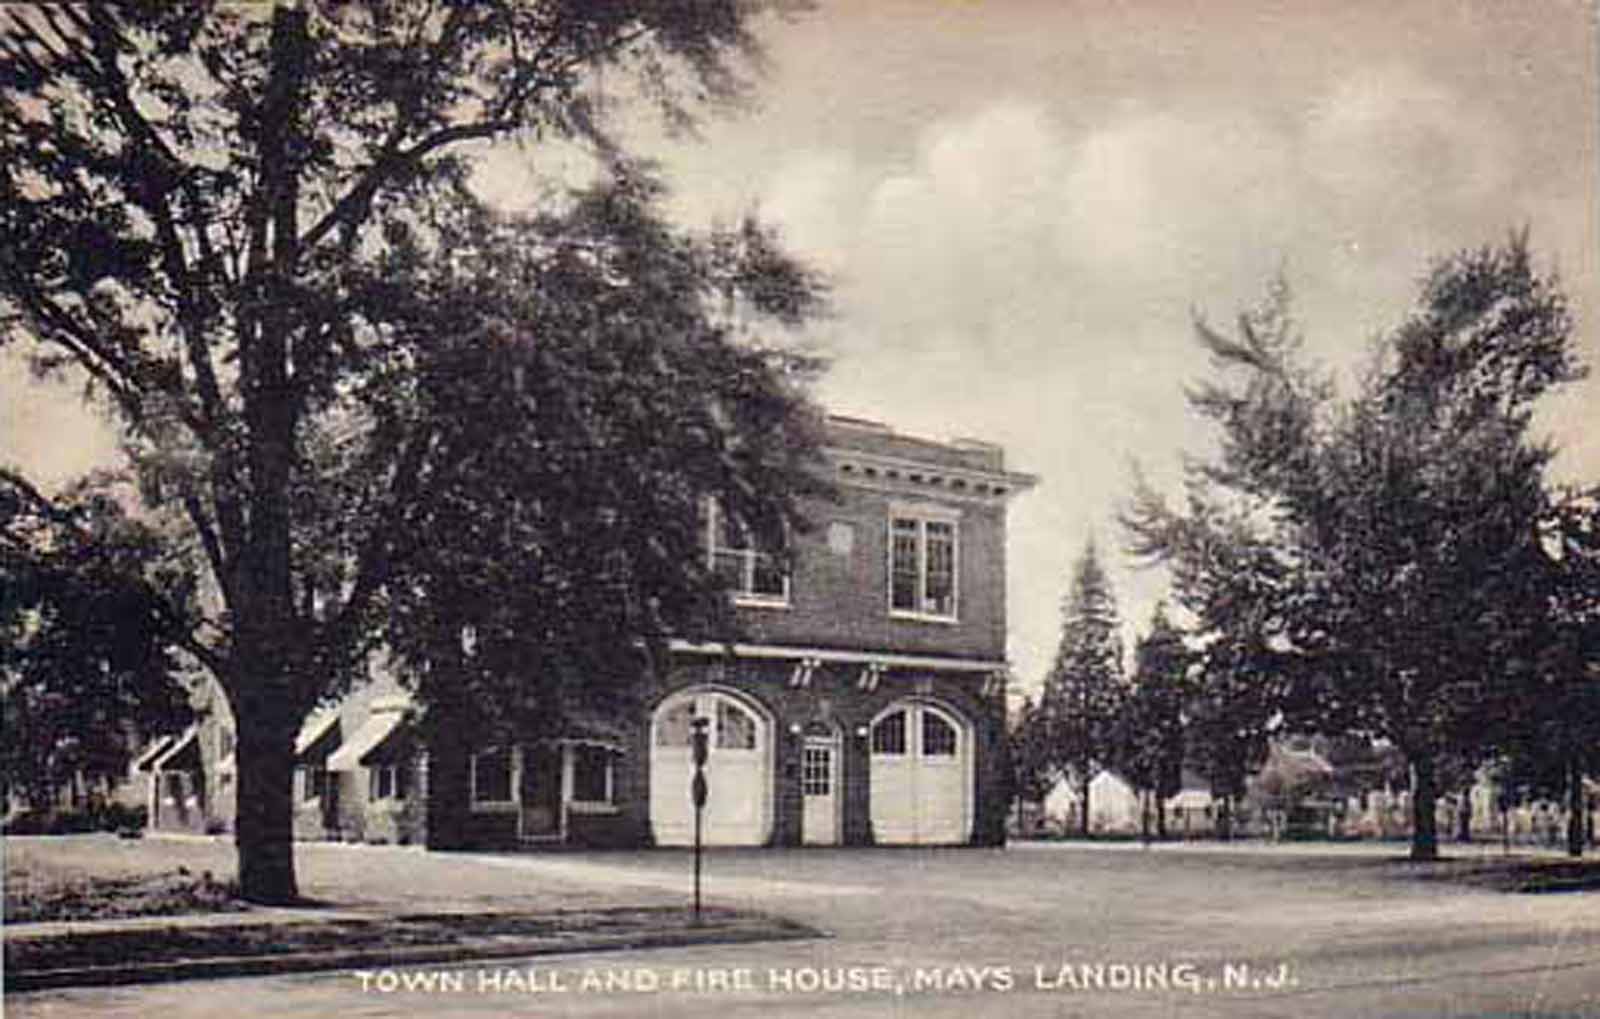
[[1424, 807], [264, 818], [1083, 806], [1161, 818], [1464, 816], [446, 726], [1575, 811]]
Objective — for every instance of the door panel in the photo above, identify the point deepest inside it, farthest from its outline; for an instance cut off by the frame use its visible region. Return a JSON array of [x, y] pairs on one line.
[[919, 776], [541, 790], [738, 773], [819, 790]]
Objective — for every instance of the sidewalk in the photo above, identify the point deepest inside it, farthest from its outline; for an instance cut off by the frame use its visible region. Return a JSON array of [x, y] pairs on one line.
[[384, 907]]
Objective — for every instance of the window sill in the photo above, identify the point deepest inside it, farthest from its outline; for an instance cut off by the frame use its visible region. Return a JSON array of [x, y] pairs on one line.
[[923, 617], [592, 807], [756, 601], [495, 807]]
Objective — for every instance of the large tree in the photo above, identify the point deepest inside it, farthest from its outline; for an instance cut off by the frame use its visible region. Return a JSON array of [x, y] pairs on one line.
[[1551, 748], [1083, 693], [92, 603], [227, 217], [1149, 730], [1399, 526]]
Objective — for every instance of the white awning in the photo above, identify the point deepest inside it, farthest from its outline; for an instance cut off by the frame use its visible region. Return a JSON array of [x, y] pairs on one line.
[[157, 747], [178, 746], [313, 731], [368, 738]]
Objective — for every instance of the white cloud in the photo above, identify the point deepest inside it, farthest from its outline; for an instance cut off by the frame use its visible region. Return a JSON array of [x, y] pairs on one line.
[[1013, 277]]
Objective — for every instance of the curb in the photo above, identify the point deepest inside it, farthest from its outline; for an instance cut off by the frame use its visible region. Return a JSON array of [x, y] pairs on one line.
[[312, 962]]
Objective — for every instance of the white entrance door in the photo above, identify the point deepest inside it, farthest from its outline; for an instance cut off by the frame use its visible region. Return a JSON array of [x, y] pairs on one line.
[[738, 773], [819, 789], [919, 777]]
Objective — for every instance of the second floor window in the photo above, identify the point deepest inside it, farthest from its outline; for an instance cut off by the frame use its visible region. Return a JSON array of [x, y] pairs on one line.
[[750, 570], [922, 566]]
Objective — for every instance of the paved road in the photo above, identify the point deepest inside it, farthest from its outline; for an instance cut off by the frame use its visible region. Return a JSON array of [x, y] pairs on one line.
[[1030, 931]]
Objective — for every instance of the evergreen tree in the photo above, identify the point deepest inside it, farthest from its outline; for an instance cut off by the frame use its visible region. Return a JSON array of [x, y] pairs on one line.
[[1084, 691], [1031, 756], [1150, 726]]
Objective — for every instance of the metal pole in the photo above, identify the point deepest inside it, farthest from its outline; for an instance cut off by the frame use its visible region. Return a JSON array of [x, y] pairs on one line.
[[698, 794]]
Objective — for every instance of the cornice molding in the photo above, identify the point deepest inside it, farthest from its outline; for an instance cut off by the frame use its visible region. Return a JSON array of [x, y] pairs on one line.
[[816, 656], [887, 473]]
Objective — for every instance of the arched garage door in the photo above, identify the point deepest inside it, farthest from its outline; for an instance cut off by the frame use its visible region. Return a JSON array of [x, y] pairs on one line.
[[921, 768], [738, 770]]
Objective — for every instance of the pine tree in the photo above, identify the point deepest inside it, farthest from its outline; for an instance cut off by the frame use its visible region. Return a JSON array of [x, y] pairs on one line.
[[1084, 690], [1150, 726]]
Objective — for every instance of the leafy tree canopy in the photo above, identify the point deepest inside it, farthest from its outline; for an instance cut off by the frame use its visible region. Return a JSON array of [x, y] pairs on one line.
[[91, 604], [1394, 580], [247, 224]]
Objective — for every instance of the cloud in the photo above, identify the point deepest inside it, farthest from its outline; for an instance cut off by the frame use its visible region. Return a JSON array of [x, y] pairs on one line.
[[1029, 278]]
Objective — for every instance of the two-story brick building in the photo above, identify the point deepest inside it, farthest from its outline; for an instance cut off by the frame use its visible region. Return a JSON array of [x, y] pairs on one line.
[[864, 703]]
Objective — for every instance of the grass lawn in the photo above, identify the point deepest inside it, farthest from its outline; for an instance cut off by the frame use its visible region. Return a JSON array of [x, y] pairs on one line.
[[54, 879]]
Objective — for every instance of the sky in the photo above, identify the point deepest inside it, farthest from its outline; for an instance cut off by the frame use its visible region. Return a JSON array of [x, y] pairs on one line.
[[1023, 205]]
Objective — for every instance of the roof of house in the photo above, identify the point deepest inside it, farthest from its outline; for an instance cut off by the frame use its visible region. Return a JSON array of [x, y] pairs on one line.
[[376, 735], [316, 735], [184, 751], [148, 755]]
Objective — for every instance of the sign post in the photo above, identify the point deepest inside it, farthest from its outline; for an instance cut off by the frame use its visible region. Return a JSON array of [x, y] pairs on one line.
[[698, 793]]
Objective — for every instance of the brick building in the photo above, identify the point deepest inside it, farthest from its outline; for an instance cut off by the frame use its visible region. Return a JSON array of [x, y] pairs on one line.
[[864, 703]]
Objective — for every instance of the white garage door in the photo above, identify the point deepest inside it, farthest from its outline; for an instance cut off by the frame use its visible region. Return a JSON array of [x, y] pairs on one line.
[[738, 772], [919, 777]]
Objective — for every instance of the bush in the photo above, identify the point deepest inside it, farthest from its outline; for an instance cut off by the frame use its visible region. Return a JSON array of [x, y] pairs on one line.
[[119, 817], [67, 821]]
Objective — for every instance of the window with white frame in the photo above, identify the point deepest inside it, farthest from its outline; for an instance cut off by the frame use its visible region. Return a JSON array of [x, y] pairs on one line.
[[753, 572], [492, 776], [386, 782], [922, 564], [591, 774]]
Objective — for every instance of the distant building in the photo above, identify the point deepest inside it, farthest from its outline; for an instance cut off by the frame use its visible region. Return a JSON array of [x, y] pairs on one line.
[[864, 703]]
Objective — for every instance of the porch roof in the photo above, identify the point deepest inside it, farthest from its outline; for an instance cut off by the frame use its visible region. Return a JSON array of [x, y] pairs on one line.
[[317, 736], [184, 753], [148, 755], [378, 732]]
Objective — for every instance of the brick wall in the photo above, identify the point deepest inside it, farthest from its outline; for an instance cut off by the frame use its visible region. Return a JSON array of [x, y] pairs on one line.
[[835, 700], [839, 586]]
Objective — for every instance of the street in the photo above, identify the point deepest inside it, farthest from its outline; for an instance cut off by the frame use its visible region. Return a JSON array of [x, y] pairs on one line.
[[1034, 930]]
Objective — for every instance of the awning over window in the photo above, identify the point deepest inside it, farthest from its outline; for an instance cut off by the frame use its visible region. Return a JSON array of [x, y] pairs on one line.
[[182, 755], [377, 736], [317, 737], [148, 755], [588, 728]]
